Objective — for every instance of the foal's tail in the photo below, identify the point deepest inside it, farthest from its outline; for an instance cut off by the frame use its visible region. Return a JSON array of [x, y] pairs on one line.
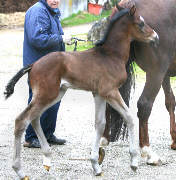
[[11, 84], [117, 126]]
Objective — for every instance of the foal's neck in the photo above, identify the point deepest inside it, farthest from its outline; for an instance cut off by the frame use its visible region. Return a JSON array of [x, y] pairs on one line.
[[118, 44]]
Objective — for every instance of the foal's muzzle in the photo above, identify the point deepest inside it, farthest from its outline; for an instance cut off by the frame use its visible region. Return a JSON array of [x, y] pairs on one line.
[[154, 41]]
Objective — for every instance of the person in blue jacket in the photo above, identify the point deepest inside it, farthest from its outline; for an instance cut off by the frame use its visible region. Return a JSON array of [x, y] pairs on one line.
[[42, 34]]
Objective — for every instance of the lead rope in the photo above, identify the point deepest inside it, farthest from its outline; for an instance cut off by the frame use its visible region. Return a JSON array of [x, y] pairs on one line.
[[75, 40]]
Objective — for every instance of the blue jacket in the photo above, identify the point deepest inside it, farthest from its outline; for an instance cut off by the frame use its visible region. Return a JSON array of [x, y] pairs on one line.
[[42, 32]]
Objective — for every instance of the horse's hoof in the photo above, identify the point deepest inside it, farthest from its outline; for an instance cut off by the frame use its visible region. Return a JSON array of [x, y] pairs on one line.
[[134, 168], [155, 163], [101, 155], [47, 167], [98, 171], [173, 146], [25, 178], [98, 174], [96, 167]]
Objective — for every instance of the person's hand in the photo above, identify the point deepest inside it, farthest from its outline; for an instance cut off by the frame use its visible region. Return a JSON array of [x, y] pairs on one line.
[[66, 38]]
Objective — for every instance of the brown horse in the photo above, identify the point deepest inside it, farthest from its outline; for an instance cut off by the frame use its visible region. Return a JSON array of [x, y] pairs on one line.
[[100, 70], [159, 65]]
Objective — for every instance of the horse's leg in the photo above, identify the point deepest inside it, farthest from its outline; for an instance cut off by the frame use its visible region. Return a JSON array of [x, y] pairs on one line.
[[112, 115], [170, 106], [22, 121], [106, 137], [43, 142], [145, 103], [42, 139], [100, 106], [31, 115], [115, 100]]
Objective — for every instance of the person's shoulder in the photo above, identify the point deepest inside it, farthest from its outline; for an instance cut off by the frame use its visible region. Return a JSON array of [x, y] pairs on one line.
[[37, 8]]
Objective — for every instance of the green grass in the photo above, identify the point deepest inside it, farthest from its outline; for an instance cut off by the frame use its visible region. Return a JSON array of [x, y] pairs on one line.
[[83, 18], [81, 46]]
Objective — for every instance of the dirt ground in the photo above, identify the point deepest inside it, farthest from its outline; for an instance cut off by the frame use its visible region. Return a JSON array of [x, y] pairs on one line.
[[76, 124]]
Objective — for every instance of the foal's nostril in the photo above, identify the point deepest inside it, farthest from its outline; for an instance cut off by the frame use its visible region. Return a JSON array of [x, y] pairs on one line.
[[157, 40], [154, 40]]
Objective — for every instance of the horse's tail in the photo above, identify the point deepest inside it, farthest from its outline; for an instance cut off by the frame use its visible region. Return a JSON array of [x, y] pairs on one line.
[[11, 84], [117, 126]]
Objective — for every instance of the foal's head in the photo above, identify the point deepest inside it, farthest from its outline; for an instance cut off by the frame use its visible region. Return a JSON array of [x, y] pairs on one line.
[[138, 29], [127, 23]]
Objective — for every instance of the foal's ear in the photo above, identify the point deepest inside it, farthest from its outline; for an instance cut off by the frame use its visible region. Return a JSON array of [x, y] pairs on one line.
[[119, 7], [132, 10]]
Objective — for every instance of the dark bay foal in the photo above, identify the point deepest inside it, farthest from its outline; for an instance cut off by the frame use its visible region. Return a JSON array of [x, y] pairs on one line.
[[100, 70]]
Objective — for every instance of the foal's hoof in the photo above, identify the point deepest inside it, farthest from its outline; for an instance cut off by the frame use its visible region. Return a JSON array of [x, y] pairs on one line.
[[101, 155], [173, 146], [134, 168], [47, 167], [25, 178], [96, 167], [98, 173], [155, 163]]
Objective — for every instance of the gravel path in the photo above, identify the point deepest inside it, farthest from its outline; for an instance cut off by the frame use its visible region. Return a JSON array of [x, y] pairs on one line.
[[76, 124]]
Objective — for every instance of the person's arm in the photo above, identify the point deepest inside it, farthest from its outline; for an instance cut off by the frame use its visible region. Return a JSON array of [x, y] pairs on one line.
[[38, 30]]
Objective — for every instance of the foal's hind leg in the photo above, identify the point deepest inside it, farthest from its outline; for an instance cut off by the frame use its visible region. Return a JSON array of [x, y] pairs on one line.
[[100, 105], [115, 100], [170, 106], [44, 144], [21, 122], [31, 115]]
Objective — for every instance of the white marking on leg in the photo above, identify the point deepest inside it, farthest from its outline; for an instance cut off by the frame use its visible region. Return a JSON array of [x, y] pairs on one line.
[[43, 142], [47, 160], [151, 157], [16, 165], [17, 168], [103, 142], [134, 141], [100, 106], [123, 109]]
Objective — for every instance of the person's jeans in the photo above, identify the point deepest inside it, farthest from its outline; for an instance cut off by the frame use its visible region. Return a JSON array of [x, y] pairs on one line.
[[47, 121]]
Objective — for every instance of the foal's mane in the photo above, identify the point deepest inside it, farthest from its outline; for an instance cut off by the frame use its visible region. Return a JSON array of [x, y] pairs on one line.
[[114, 18]]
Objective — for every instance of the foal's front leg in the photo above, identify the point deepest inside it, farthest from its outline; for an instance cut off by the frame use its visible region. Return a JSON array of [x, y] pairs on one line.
[[100, 105], [116, 101]]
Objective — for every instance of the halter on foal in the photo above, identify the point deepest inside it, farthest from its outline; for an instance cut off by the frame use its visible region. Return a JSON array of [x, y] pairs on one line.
[[100, 70]]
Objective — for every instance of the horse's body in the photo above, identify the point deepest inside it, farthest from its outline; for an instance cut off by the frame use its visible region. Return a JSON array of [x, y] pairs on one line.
[[93, 70], [159, 66]]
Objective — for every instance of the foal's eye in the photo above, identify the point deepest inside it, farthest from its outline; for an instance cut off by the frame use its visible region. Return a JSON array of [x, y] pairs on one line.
[[141, 25]]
